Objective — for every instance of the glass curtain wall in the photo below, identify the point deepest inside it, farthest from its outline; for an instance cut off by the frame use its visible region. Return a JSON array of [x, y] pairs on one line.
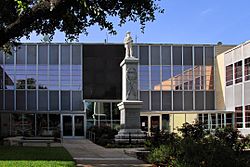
[[39, 79], [42, 77], [176, 77]]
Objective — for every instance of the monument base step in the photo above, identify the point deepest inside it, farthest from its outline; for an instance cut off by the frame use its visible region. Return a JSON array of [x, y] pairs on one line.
[[130, 136]]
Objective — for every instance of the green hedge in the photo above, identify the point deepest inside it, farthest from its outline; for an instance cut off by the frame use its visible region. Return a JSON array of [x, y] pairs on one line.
[[198, 147]]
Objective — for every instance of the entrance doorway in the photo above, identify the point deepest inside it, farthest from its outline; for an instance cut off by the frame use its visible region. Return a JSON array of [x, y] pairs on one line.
[[73, 125]]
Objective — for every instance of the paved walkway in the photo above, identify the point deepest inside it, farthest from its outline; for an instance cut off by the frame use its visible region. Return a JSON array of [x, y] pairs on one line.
[[88, 154]]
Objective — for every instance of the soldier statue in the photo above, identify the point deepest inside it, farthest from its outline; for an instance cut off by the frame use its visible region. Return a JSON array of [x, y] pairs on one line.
[[128, 45]]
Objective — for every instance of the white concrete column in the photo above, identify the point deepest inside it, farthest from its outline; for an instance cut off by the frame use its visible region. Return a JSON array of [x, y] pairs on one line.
[[149, 125], [160, 117]]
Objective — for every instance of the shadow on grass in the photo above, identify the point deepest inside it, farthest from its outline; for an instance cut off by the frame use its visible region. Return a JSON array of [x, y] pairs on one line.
[[34, 153]]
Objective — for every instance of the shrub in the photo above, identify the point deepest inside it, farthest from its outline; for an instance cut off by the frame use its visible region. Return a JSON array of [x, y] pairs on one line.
[[162, 137], [198, 147], [103, 135], [162, 155]]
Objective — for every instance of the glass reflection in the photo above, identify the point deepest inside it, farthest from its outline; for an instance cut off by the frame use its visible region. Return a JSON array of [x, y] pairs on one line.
[[20, 77], [177, 77], [166, 78], [1, 77], [9, 76], [187, 77], [102, 114], [144, 77], [43, 80], [209, 77], [155, 77], [199, 77]]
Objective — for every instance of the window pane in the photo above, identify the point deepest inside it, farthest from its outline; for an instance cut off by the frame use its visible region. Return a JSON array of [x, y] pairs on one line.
[[20, 100], [144, 123], [76, 54], [31, 100], [135, 51], [65, 77], [43, 100], [166, 100], [187, 78], [144, 78], [53, 54], [187, 56], [155, 55], [42, 124], [43, 79], [9, 100], [9, 59], [210, 100], [43, 54], [20, 76], [247, 116], [20, 54], [238, 117], [115, 112], [188, 100], [166, 55], [177, 77], [28, 124], [54, 124], [77, 100], [178, 100], [229, 75], [1, 57], [1, 99], [31, 54], [247, 69], [9, 76], [199, 100], [144, 58], [199, 77], [65, 100], [198, 56], [65, 54], [238, 72], [209, 54], [54, 100], [155, 100], [177, 55], [166, 78], [209, 78], [144, 96], [155, 77], [53, 77]]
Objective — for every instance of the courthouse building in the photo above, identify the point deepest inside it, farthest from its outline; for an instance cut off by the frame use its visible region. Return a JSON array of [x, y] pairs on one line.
[[65, 88]]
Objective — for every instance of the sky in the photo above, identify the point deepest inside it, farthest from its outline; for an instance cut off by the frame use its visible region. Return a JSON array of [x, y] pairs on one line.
[[192, 21]]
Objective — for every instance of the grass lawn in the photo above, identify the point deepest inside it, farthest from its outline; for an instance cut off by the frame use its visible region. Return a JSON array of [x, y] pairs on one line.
[[35, 157]]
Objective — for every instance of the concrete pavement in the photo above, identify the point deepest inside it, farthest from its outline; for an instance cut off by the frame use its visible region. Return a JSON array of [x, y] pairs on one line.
[[88, 154]]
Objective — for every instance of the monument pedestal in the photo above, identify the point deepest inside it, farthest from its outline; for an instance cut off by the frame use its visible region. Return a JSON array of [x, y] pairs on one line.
[[130, 123], [130, 106]]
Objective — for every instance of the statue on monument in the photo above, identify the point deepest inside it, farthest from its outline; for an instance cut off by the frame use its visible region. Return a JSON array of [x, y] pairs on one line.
[[128, 41]]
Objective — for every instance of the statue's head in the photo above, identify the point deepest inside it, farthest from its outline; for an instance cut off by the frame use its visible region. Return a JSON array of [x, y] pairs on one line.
[[128, 33]]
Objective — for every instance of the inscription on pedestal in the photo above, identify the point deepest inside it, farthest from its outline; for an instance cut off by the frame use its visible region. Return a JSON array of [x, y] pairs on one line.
[[131, 84]]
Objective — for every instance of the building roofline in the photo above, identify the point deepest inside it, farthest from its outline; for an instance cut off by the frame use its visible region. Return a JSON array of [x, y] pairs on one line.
[[236, 47], [119, 43]]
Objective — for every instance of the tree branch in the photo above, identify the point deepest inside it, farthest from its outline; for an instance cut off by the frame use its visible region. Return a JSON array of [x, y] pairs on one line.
[[17, 29]]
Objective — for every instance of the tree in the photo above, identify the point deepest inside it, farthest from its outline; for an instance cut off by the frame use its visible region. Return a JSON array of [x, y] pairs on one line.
[[19, 18]]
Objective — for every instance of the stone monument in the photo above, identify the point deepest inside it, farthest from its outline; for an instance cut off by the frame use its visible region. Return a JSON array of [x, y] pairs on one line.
[[130, 106]]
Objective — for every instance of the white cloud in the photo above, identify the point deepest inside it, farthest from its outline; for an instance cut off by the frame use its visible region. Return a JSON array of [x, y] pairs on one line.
[[206, 11]]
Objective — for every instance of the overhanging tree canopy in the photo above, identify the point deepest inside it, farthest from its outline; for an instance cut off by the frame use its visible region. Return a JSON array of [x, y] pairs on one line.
[[19, 18]]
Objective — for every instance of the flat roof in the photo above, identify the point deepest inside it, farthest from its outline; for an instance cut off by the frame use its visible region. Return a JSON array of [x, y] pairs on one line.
[[120, 43]]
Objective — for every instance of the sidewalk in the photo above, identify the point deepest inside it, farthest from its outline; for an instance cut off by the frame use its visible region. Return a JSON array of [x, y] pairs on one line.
[[88, 154]]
